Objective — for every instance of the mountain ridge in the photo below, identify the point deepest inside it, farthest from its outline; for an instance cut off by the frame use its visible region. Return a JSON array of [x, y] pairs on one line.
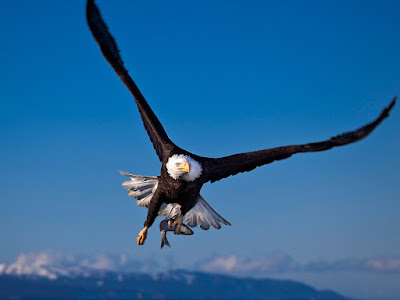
[[175, 284]]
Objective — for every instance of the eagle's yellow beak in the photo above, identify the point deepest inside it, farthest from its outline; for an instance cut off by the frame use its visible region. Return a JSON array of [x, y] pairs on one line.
[[185, 167]]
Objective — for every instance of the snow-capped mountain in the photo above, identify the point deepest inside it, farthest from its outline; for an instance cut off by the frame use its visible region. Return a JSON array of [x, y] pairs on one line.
[[53, 265], [42, 265], [59, 276]]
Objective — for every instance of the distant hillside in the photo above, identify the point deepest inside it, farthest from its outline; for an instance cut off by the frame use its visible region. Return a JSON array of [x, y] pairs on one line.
[[169, 285]]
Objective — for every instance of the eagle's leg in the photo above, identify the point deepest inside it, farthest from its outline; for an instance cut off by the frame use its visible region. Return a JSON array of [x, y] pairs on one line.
[[142, 236], [178, 222], [154, 207]]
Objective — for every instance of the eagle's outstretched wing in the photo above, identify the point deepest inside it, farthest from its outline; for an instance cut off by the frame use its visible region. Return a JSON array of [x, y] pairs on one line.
[[109, 48], [218, 168]]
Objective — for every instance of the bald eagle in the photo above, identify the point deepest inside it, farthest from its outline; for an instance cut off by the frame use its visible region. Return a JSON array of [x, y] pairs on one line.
[[183, 173]]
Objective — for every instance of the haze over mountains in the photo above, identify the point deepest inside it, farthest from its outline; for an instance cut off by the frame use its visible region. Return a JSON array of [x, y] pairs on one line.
[[33, 276], [54, 268]]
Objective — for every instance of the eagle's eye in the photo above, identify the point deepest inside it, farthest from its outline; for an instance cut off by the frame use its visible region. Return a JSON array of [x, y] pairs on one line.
[[177, 164]]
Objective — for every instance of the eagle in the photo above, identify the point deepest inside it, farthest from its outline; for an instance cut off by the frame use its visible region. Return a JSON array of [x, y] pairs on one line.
[[176, 191]]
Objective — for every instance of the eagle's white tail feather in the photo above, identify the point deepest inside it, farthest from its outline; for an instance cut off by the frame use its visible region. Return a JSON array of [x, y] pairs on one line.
[[203, 215]]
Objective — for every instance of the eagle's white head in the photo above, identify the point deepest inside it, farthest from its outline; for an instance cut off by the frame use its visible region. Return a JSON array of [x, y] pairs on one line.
[[183, 167]]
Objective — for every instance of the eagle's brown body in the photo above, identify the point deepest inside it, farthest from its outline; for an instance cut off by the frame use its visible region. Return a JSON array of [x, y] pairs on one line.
[[173, 191]]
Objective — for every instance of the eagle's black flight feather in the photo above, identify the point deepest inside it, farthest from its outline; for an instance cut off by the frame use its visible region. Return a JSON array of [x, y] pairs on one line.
[[244, 162], [109, 48]]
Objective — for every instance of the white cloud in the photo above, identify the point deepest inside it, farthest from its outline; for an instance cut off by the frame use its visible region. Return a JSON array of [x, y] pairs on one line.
[[281, 263], [366, 265], [276, 262], [386, 265], [99, 261], [123, 259], [52, 264]]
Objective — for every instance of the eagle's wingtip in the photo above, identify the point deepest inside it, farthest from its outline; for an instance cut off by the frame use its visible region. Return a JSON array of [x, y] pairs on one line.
[[390, 106], [393, 102], [123, 173]]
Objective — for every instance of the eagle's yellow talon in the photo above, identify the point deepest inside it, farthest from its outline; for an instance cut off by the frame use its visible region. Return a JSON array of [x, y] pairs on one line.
[[142, 236]]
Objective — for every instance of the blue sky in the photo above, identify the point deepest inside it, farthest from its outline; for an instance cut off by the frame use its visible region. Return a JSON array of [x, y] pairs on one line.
[[223, 77]]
